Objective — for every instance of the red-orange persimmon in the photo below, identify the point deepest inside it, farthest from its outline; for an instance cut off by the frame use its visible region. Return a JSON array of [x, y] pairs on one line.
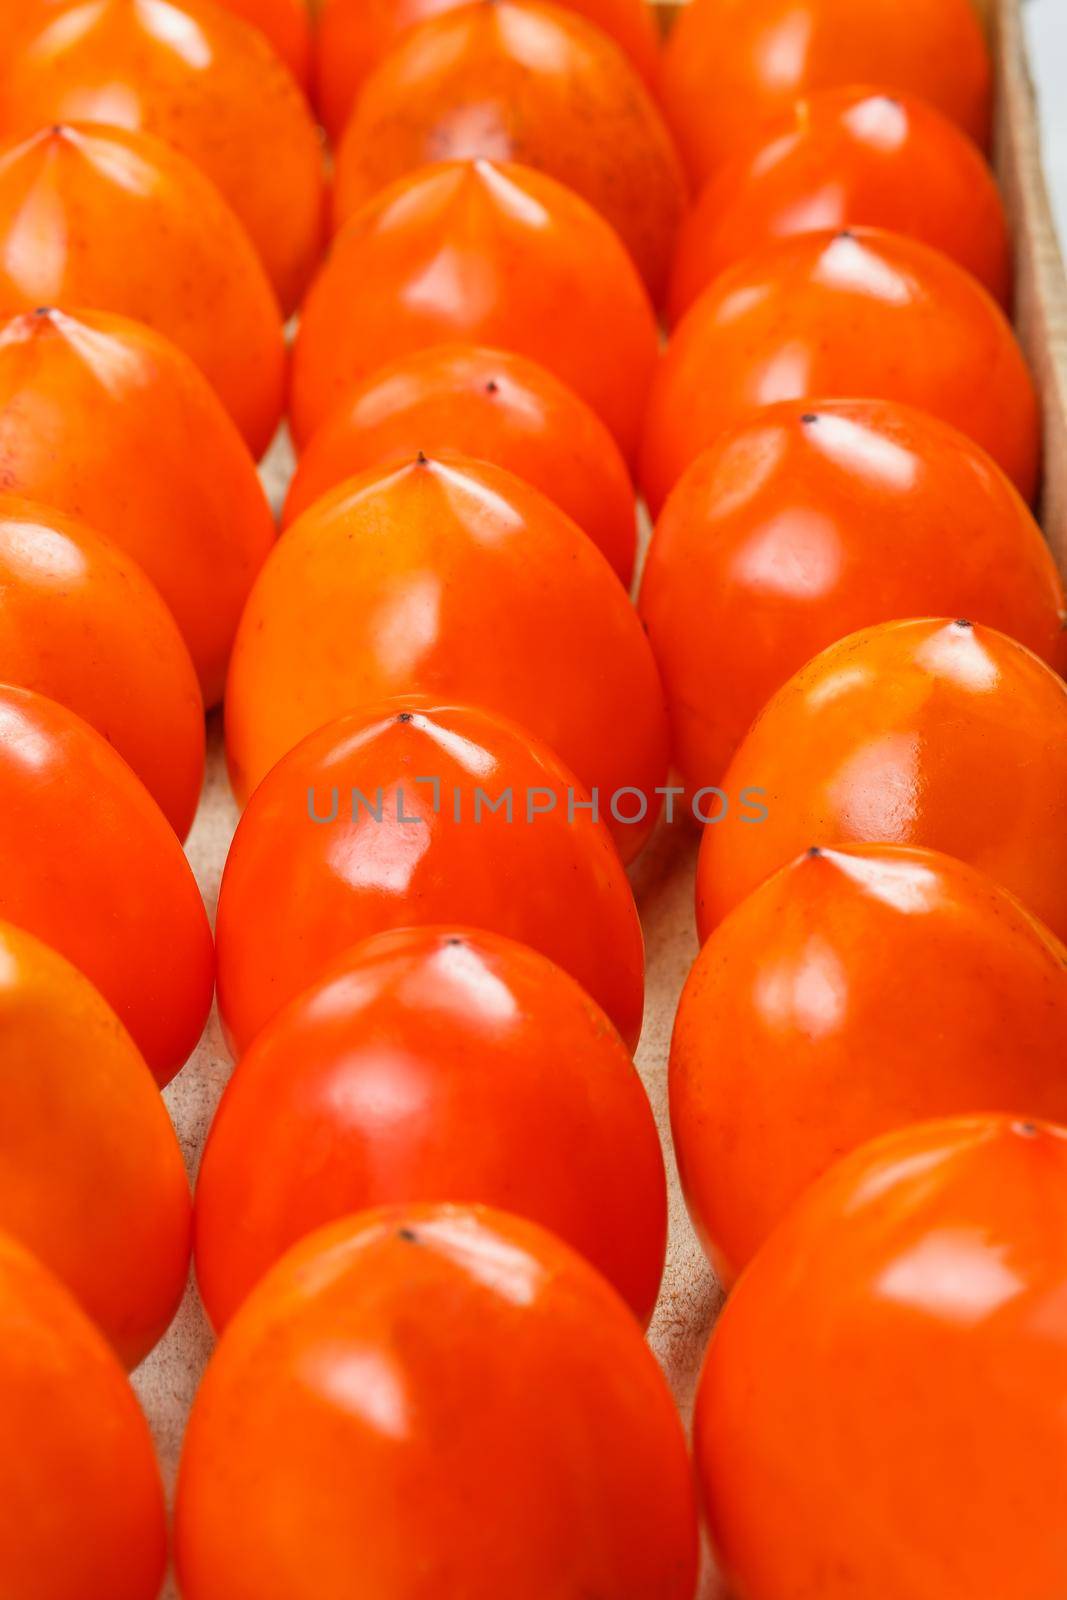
[[400, 815], [93, 868], [492, 405], [441, 1399], [809, 520], [858, 312], [435, 1063], [453, 579]]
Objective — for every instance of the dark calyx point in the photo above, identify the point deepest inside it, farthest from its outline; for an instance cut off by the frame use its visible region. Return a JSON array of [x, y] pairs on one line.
[[454, 940], [809, 417], [963, 622], [1028, 1130], [845, 233], [408, 1235], [43, 311], [405, 716], [422, 459], [813, 851], [492, 386]]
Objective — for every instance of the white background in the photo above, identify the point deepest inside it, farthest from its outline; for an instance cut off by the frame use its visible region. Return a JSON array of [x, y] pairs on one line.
[[1046, 22]]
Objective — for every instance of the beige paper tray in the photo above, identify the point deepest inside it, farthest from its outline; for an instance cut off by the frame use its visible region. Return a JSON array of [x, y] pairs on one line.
[[663, 878]]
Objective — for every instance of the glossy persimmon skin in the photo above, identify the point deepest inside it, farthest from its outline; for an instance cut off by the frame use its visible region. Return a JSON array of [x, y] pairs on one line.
[[515, 80], [920, 1282], [855, 313], [107, 421], [494, 406], [81, 1502], [444, 1398], [287, 26], [201, 79], [455, 579], [353, 36], [92, 868], [300, 889], [731, 65], [434, 1064], [845, 158], [811, 520], [80, 623], [493, 253], [101, 217], [940, 734], [857, 990], [91, 1174]]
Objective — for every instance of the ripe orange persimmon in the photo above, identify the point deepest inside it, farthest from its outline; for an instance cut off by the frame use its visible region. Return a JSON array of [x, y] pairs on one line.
[[80, 623], [91, 1173], [515, 80], [731, 65], [81, 1502], [93, 216], [932, 733], [434, 1064], [287, 25], [841, 158], [455, 579], [837, 314], [353, 36], [203, 80], [92, 868], [901, 1333], [107, 421], [857, 990], [495, 406], [496, 254], [445, 1399], [810, 520], [397, 816]]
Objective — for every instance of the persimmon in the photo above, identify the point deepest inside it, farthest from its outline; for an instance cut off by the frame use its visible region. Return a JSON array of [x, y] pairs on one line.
[[81, 1502], [92, 868], [437, 1063], [920, 1283], [855, 313], [93, 216], [399, 815], [91, 1173], [838, 159], [455, 579], [353, 36], [857, 990], [109, 422], [493, 405], [445, 1399], [731, 65], [941, 734], [813, 519], [203, 80], [80, 623], [287, 25], [515, 80], [492, 253]]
